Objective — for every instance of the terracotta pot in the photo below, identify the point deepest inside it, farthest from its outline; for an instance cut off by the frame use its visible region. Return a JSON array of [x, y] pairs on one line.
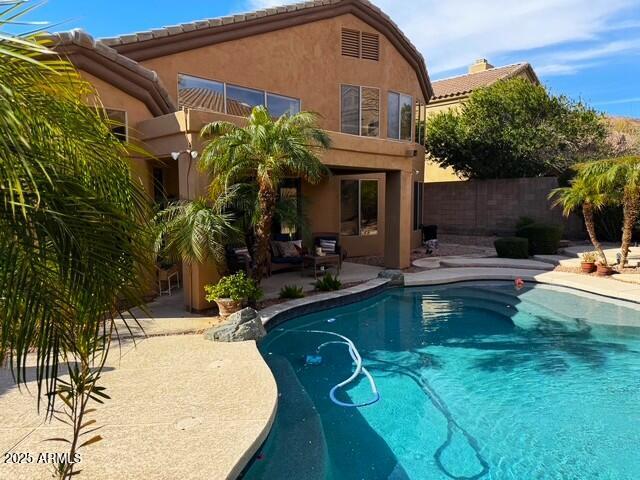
[[588, 267], [604, 271], [227, 306]]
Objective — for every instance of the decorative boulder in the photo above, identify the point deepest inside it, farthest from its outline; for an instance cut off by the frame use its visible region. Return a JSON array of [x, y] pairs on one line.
[[396, 277], [238, 327]]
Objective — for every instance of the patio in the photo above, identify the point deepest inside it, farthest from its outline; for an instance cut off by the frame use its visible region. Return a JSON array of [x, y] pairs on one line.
[[350, 273]]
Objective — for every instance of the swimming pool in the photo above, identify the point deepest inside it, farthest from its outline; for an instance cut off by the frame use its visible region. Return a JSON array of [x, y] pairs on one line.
[[476, 381]]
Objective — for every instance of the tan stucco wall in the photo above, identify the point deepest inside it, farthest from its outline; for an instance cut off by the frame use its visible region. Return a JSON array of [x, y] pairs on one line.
[[113, 98], [303, 61]]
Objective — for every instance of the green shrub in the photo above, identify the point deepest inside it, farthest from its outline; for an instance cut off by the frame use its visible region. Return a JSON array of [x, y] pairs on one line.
[[328, 283], [236, 287], [524, 222], [291, 291], [512, 247], [544, 239]]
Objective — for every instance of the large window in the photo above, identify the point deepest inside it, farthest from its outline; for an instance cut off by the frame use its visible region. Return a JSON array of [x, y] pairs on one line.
[[360, 110], [200, 93], [399, 116], [359, 207], [418, 189]]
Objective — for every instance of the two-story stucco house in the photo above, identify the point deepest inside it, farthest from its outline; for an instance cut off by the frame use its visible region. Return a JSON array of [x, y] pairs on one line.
[[344, 59]]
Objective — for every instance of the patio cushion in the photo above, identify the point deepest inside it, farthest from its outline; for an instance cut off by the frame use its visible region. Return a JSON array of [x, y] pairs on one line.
[[328, 246], [289, 249]]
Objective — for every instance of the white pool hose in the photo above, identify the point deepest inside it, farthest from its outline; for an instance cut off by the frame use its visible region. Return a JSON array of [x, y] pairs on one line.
[[357, 359]]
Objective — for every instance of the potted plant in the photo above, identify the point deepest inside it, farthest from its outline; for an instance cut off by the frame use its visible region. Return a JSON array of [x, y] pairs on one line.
[[232, 293], [588, 263], [603, 270]]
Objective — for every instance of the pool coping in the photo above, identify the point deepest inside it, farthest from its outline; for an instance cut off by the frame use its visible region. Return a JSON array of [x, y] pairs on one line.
[[277, 314]]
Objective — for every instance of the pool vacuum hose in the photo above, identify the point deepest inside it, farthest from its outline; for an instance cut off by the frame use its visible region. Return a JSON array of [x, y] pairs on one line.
[[357, 359]]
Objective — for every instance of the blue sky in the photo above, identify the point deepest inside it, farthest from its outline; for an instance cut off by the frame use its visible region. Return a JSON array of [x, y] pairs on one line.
[[586, 49]]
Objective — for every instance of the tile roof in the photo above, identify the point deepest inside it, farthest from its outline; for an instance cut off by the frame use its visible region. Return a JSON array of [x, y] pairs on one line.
[[216, 22], [463, 85], [78, 42]]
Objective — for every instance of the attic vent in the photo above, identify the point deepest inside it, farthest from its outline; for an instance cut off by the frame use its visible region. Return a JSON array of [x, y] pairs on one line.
[[350, 43], [370, 46]]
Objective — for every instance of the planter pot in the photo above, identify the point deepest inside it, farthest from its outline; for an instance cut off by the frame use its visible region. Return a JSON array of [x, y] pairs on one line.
[[227, 306], [604, 271], [588, 267]]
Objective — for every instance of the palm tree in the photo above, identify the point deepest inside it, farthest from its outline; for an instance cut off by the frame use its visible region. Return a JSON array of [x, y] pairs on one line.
[[264, 152], [619, 175], [73, 238], [582, 194]]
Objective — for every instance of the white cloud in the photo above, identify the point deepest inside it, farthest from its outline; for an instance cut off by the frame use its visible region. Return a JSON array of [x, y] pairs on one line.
[[453, 33], [619, 101]]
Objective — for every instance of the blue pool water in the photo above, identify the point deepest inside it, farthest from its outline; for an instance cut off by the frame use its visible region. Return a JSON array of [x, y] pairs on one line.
[[476, 381]]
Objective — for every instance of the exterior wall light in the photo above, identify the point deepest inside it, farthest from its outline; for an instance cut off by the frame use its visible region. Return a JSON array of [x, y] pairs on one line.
[[192, 153]]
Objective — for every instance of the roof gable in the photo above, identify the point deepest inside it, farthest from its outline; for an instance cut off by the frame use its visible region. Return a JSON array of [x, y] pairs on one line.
[[174, 39]]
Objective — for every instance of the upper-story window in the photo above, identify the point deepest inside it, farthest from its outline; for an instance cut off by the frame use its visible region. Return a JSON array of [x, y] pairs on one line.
[[200, 93], [358, 44], [360, 110], [399, 116], [117, 123]]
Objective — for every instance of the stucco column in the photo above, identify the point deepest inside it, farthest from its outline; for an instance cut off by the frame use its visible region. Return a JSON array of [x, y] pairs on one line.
[[194, 184], [398, 214]]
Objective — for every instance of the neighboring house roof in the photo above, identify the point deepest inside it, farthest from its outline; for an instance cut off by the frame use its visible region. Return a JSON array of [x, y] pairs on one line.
[[187, 36], [463, 85], [107, 64]]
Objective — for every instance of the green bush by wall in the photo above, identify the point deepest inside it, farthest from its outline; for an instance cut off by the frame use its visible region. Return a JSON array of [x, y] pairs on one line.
[[544, 239], [512, 247]]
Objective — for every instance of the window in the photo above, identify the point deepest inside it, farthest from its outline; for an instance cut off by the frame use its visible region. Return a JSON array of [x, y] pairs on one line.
[[278, 105], [358, 207], [418, 190], [399, 116], [360, 110], [368, 207], [358, 44], [349, 207], [198, 93], [370, 121], [241, 100], [350, 110], [117, 123]]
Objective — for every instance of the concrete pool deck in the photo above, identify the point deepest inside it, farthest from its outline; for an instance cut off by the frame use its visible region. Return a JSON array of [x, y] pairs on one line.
[[181, 407]]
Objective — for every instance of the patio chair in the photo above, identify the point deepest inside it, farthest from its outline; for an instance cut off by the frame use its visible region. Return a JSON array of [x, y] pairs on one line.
[[333, 238], [282, 262]]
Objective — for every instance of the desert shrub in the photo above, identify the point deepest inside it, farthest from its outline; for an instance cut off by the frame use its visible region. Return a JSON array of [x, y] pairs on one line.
[[328, 283], [512, 247], [523, 222], [544, 239], [236, 287], [291, 291]]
